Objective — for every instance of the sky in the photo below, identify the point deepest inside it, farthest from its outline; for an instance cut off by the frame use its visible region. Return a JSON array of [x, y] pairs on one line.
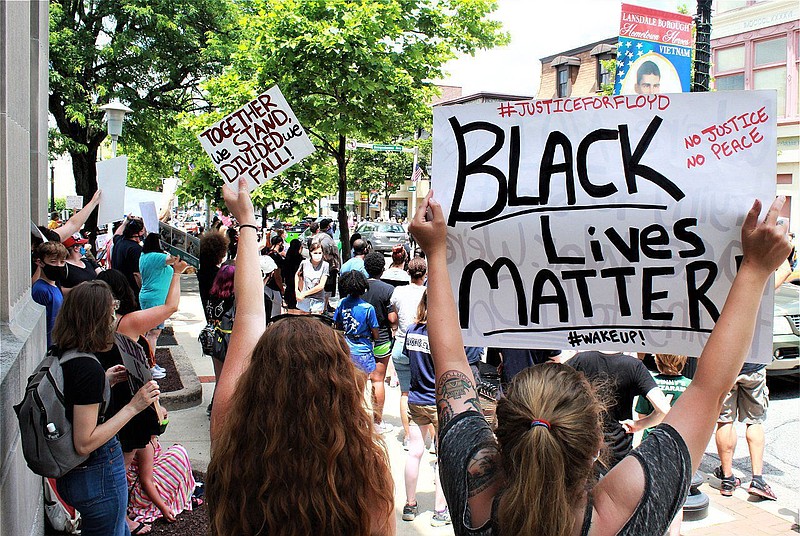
[[539, 28]]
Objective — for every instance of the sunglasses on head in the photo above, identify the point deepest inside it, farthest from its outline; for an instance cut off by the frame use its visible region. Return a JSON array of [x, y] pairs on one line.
[[328, 321]]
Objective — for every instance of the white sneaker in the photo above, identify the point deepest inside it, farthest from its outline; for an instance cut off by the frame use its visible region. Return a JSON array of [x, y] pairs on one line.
[[159, 368], [157, 374], [384, 427]]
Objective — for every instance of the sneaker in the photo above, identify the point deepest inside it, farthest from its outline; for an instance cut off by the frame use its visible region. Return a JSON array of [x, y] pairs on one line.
[[759, 488], [159, 368], [440, 519], [157, 374], [383, 427], [726, 483], [410, 512]]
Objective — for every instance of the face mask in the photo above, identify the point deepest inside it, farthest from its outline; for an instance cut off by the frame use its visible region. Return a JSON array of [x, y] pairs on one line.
[[83, 251], [54, 273], [316, 256]]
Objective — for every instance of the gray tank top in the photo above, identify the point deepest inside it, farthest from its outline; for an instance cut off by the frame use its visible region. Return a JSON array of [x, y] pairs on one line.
[[663, 456]]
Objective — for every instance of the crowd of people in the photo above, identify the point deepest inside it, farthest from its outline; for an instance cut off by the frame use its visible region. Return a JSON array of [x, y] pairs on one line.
[[304, 347]]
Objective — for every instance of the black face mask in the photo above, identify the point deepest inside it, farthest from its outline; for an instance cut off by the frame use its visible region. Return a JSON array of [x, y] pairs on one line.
[[54, 273]]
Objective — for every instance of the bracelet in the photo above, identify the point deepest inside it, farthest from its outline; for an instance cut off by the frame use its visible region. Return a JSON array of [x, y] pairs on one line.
[[246, 225]]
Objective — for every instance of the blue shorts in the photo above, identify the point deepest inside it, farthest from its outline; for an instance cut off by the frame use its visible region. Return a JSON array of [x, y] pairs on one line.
[[364, 362], [401, 366]]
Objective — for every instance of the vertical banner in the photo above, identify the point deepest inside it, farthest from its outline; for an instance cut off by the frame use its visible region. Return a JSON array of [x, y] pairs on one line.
[[258, 141], [609, 222], [654, 53]]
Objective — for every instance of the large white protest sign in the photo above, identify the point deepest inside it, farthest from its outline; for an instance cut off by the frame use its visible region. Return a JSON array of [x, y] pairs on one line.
[[112, 175], [134, 197], [149, 216], [602, 222], [257, 141]]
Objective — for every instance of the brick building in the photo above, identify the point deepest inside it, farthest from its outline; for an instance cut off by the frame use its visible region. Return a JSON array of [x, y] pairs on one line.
[[577, 72]]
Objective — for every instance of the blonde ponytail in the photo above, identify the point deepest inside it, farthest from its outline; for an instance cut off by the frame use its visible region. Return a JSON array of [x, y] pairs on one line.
[[549, 429]]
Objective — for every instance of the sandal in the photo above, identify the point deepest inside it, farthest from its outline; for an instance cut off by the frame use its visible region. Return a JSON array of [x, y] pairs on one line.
[[141, 528], [197, 502]]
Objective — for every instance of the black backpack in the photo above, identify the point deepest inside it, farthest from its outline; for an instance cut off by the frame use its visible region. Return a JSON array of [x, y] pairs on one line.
[[45, 432]]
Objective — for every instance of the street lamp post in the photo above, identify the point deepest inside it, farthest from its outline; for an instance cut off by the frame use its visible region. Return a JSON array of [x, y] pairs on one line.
[[115, 114], [52, 187]]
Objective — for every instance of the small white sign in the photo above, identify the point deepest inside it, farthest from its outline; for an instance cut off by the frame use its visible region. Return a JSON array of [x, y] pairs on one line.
[[75, 202], [149, 216]]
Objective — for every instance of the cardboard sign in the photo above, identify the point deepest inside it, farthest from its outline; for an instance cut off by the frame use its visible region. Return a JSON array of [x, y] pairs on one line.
[[607, 222], [257, 141], [654, 53], [112, 175], [75, 202], [135, 197], [149, 216], [134, 357]]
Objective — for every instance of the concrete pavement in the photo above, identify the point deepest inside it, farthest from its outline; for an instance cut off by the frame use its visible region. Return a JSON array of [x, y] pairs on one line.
[[735, 515]]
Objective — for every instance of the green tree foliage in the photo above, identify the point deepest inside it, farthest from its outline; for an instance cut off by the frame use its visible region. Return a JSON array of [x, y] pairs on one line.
[[151, 54], [358, 69]]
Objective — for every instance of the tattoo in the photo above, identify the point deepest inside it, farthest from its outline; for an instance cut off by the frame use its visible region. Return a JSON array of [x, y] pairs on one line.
[[483, 470], [455, 394]]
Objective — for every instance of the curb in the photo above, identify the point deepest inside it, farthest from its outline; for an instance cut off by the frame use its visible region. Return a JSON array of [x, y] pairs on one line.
[[192, 393]]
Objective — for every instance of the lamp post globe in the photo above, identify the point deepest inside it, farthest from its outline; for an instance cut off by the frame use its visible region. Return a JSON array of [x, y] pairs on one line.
[[115, 114]]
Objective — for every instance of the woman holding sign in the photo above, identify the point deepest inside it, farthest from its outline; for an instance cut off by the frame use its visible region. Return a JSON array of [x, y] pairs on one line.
[[294, 449], [537, 476]]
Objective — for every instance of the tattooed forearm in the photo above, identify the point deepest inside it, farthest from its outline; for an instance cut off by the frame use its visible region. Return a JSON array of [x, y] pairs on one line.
[[483, 470], [455, 394]]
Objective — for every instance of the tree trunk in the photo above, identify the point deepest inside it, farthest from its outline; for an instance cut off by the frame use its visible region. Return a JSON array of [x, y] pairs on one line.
[[85, 172], [344, 229]]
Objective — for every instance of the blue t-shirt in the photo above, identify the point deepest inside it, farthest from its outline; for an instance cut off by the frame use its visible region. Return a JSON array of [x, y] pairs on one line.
[[156, 279], [50, 296], [423, 378], [357, 319], [355, 263]]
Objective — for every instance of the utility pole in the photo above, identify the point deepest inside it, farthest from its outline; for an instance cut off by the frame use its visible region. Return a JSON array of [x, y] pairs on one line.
[[702, 52], [52, 187]]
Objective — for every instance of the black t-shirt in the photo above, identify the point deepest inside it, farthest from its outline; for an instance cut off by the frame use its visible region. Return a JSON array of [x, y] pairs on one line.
[[205, 280], [125, 258], [84, 383], [279, 262], [627, 378], [379, 296], [663, 456], [78, 274]]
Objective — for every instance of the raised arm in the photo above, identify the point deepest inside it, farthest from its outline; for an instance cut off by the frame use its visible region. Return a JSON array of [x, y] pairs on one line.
[[74, 224], [140, 322], [765, 246], [455, 392], [250, 315]]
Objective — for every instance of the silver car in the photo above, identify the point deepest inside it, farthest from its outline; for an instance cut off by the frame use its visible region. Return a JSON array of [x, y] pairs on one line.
[[786, 332], [382, 236]]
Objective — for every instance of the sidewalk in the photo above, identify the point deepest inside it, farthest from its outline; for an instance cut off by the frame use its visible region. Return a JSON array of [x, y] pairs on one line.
[[728, 516]]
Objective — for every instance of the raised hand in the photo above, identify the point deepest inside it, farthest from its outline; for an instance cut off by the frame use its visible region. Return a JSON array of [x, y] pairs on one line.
[[239, 203], [766, 244], [428, 226]]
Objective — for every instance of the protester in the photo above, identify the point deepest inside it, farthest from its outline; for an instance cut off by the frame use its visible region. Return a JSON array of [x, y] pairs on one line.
[[405, 300], [221, 311], [126, 251], [97, 488], [293, 260], [356, 262], [161, 483], [294, 449], [310, 281], [156, 271], [625, 378], [330, 254], [422, 413], [50, 257], [77, 221], [396, 275], [233, 239], [274, 285], [357, 320], [213, 250], [536, 477], [379, 295], [79, 267]]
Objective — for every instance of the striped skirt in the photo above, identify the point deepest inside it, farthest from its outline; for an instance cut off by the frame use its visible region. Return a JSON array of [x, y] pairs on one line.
[[172, 475]]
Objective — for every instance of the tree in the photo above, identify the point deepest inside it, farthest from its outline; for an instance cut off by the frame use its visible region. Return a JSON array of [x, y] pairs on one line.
[[359, 69], [151, 54]]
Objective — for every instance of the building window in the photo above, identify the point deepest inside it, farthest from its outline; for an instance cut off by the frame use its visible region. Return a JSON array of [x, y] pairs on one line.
[[603, 74], [763, 64], [563, 81]]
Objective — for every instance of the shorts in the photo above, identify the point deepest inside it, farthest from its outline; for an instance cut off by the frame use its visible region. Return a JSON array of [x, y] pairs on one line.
[[401, 366], [364, 362], [423, 415], [383, 350], [749, 399]]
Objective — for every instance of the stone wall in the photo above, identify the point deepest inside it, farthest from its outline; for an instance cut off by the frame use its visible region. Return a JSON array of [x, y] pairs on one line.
[[23, 198]]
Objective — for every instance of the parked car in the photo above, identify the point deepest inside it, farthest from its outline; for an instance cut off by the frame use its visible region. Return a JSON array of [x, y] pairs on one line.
[[786, 332], [382, 236]]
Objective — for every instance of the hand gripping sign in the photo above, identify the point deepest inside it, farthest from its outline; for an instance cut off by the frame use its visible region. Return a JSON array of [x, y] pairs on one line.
[[257, 141], [609, 222]]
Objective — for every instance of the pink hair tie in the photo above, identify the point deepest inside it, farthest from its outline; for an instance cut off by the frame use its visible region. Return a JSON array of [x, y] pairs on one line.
[[540, 422]]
